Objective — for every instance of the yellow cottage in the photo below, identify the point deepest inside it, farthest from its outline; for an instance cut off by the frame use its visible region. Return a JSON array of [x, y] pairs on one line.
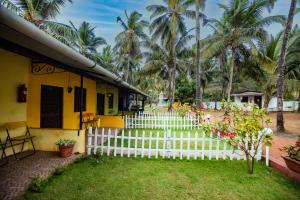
[[51, 86]]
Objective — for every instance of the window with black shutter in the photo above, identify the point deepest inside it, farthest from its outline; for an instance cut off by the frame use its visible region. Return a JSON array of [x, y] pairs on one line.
[[111, 101], [77, 99]]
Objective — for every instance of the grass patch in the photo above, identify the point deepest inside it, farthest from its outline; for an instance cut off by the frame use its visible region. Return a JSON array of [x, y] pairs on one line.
[[129, 178]]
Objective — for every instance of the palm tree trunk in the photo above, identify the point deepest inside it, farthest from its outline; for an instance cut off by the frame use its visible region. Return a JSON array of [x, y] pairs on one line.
[[172, 77], [229, 88], [268, 95], [222, 67], [197, 66], [281, 66], [126, 75], [299, 102]]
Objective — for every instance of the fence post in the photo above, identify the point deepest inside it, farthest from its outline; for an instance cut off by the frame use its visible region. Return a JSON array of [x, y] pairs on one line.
[[218, 146], [224, 150], [188, 145], [196, 146], [150, 145], [95, 141], [203, 145], [122, 142], [108, 142], [116, 143], [169, 143], [156, 145], [210, 146], [181, 138], [164, 146], [174, 145], [143, 143], [135, 143], [102, 141], [267, 155], [90, 135], [129, 146]]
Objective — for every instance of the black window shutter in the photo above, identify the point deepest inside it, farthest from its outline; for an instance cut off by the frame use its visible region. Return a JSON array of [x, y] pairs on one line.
[[77, 100]]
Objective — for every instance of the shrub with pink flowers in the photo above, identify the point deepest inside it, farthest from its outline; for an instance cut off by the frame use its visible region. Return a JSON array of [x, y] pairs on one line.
[[245, 127]]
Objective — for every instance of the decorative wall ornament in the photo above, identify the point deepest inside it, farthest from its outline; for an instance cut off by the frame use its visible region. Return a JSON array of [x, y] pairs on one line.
[[38, 68]]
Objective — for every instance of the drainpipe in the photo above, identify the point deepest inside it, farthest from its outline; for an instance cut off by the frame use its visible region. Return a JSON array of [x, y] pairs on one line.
[[136, 103], [123, 102], [81, 101]]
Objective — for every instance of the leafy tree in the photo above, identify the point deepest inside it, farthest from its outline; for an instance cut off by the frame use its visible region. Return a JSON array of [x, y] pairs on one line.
[[185, 90]]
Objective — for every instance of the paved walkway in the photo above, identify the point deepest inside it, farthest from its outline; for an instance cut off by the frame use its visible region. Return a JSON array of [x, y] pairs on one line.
[[16, 174]]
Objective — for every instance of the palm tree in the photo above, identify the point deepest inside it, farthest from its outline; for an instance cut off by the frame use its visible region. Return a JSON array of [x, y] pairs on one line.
[[281, 66], [127, 46], [85, 40], [168, 25], [40, 13], [157, 59], [268, 56], [198, 4], [241, 25]]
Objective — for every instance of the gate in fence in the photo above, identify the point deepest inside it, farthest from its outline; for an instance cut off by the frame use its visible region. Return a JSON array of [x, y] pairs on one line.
[[165, 144]]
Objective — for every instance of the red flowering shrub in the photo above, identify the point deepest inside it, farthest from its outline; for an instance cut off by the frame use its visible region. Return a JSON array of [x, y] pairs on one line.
[[245, 128]]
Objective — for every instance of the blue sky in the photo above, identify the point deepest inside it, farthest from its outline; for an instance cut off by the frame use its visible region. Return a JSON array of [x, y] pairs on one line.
[[103, 13]]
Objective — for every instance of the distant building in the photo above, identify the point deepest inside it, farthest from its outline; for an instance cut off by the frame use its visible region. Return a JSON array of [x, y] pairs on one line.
[[246, 97]]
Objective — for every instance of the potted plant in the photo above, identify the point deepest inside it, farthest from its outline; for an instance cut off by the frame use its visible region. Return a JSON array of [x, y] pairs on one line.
[[65, 147], [292, 160]]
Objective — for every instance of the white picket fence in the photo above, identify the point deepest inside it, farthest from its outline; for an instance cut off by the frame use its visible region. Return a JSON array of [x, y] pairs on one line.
[[166, 145], [167, 120]]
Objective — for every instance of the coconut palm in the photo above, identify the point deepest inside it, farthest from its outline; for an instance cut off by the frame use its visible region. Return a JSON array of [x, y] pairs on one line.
[[241, 25], [39, 12], [157, 58], [281, 65], [127, 46], [199, 4], [268, 57], [85, 40], [168, 25]]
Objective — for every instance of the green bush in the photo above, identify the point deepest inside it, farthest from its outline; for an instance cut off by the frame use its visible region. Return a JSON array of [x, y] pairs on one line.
[[59, 171], [37, 184]]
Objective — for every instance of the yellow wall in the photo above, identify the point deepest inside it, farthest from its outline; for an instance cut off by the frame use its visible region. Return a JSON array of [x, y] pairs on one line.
[[13, 72], [45, 139], [70, 118], [105, 89], [111, 121]]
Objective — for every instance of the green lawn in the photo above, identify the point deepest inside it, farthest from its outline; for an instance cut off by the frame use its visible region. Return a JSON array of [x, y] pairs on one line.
[[129, 178]]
